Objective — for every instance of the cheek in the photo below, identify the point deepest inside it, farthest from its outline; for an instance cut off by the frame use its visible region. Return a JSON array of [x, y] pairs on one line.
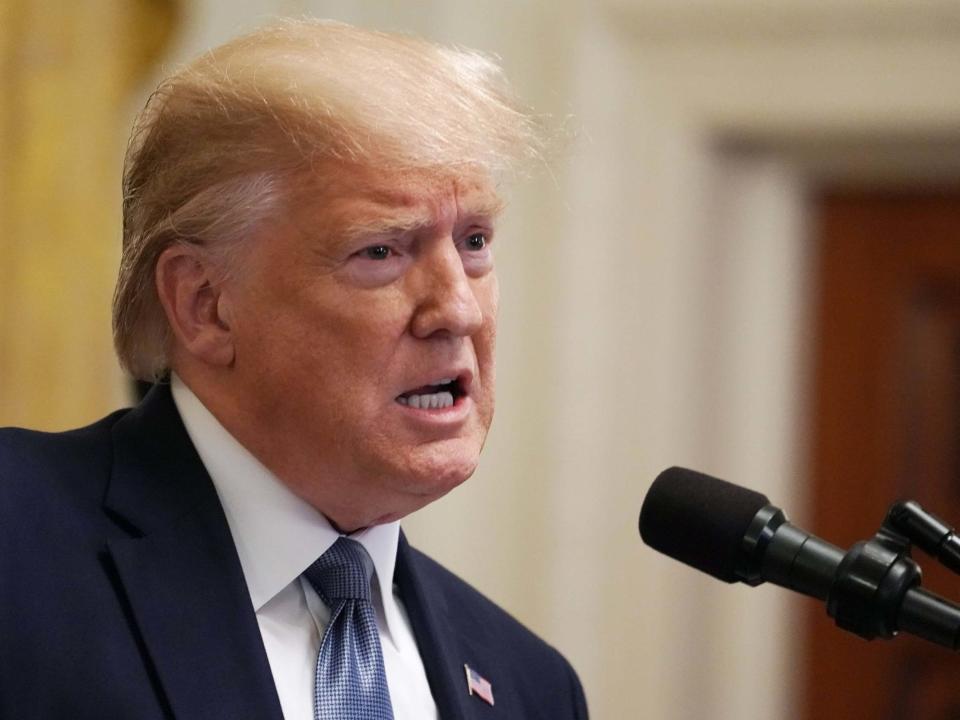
[[491, 294], [362, 329], [484, 346], [336, 318], [342, 352], [489, 300]]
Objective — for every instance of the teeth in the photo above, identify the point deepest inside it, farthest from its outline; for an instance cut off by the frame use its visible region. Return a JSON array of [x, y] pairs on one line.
[[444, 381], [428, 402]]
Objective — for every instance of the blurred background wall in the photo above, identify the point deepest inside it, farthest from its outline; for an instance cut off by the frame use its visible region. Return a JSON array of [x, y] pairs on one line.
[[68, 72], [663, 293]]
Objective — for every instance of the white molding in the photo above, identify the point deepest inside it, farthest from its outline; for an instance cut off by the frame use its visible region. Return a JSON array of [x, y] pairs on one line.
[[784, 20]]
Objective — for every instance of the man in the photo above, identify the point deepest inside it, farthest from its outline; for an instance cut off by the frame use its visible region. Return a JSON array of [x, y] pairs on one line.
[[308, 220]]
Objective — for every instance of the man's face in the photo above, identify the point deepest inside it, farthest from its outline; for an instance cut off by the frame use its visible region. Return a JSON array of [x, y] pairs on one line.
[[364, 328]]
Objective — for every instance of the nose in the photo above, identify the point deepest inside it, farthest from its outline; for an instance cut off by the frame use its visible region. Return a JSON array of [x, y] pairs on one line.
[[448, 303]]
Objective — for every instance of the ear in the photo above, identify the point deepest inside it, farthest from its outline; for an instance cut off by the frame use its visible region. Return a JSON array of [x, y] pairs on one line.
[[198, 312]]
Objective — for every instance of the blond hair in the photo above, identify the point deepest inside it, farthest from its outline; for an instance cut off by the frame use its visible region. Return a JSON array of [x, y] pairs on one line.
[[212, 152]]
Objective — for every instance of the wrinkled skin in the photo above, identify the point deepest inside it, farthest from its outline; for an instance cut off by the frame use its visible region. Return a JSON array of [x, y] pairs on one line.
[[372, 286]]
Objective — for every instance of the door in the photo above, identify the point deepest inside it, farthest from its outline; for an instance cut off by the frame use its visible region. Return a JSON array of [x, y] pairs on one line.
[[885, 426]]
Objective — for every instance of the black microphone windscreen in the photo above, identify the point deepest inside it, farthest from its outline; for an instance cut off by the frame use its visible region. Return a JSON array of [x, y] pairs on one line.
[[699, 520]]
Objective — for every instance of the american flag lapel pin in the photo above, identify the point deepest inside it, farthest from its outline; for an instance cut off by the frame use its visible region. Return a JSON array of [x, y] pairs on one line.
[[478, 685]]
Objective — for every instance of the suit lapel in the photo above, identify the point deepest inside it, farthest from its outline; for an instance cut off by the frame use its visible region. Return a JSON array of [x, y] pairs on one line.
[[180, 572], [444, 644]]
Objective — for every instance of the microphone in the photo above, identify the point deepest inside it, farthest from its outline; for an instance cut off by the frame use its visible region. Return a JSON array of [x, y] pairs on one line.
[[736, 535]]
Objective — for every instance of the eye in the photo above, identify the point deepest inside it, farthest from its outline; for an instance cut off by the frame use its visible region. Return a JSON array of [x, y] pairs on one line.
[[476, 241], [377, 252]]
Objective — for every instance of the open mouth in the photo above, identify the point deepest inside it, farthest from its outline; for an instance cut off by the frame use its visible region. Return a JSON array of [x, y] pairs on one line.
[[444, 393]]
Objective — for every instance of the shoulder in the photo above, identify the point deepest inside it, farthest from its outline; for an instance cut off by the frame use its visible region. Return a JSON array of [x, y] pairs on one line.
[[472, 607], [44, 469], [504, 636]]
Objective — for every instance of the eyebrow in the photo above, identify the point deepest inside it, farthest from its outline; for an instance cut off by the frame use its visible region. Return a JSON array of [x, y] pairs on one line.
[[396, 223], [399, 221]]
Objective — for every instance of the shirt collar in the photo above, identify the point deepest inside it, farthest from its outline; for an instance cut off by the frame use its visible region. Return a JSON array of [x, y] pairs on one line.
[[278, 534]]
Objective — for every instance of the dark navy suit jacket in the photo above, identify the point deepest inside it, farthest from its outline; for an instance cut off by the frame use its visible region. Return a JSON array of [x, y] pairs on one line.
[[122, 596]]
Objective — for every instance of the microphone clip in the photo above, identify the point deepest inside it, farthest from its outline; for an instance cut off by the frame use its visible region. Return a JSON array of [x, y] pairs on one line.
[[875, 575], [869, 588]]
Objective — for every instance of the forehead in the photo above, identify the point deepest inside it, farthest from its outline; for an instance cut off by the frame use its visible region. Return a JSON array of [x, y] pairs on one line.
[[350, 197]]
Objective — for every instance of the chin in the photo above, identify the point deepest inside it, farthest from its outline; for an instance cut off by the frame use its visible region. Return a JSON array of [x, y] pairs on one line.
[[438, 474]]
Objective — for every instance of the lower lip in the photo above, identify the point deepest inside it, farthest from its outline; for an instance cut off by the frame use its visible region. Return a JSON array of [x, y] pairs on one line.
[[453, 415]]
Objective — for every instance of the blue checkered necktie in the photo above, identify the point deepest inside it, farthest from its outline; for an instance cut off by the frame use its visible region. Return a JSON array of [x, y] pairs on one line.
[[351, 683]]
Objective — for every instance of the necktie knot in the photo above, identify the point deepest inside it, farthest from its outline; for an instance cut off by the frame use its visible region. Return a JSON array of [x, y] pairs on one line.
[[351, 683], [343, 572]]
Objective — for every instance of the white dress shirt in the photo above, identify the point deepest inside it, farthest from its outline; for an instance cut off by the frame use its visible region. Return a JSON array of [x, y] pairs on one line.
[[278, 536]]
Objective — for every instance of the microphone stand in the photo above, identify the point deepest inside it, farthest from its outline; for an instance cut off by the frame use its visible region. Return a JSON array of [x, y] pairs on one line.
[[876, 590]]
